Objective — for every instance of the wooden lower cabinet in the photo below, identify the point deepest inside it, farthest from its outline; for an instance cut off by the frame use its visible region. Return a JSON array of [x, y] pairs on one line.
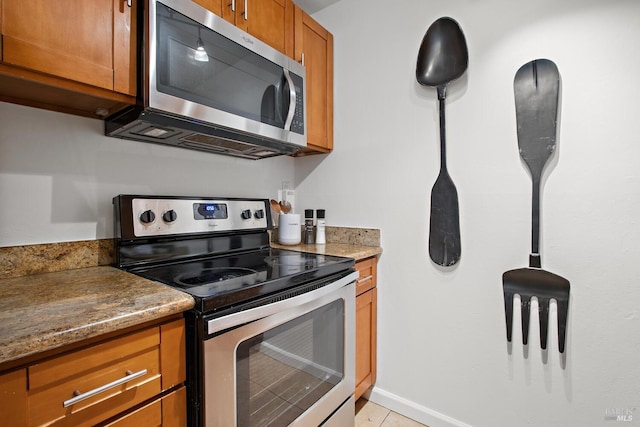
[[366, 325], [168, 411], [13, 398], [132, 380]]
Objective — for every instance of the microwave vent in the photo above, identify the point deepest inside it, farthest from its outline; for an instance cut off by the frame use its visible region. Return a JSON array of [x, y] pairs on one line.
[[199, 139], [148, 125], [227, 146]]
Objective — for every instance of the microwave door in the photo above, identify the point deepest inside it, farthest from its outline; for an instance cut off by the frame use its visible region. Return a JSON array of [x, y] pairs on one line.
[[231, 83]]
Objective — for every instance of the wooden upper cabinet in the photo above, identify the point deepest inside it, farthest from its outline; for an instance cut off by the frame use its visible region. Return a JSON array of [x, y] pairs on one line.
[[214, 6], [314, 49], [91, 42], [271, 21], [124, 47]]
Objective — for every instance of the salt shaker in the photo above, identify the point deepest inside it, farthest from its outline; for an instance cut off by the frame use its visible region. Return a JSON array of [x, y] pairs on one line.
[[320, 227]]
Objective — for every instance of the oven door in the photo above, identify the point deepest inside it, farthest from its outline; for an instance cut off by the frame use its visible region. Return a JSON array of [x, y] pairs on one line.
[[287, 363]]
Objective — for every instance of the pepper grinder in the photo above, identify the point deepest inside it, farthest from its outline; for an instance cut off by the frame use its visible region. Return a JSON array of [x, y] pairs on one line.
[[308, 226], [320, 226]]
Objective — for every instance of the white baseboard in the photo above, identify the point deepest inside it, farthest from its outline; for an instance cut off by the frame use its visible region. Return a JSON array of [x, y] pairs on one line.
[[412, 410]]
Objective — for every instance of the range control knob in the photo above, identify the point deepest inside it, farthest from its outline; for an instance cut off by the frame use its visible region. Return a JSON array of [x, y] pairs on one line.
[[169, 216], [259, 214], [246, 214], [147, 217]]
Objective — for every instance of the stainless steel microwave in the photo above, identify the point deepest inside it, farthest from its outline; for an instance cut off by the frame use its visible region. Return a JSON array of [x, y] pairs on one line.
[[204, 84]]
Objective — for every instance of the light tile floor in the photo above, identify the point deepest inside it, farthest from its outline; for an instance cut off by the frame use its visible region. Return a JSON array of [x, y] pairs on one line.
[[369, 414]]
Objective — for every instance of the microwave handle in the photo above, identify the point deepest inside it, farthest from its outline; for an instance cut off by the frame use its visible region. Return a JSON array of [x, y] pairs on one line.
[[292, 100]]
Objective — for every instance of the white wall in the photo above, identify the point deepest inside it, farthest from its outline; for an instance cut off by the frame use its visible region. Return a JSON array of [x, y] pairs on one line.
[[443, 356], [59, 173]]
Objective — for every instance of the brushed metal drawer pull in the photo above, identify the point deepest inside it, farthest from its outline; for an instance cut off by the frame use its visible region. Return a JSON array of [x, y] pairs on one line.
[[80, 397], [365, 278]]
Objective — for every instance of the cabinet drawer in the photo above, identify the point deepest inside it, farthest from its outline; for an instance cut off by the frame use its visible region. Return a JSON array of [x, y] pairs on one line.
[[368, 275], [113, 376], [169, 410], [149, 415]]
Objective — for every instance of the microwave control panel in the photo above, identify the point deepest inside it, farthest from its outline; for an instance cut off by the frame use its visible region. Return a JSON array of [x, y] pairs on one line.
[[297, 125]]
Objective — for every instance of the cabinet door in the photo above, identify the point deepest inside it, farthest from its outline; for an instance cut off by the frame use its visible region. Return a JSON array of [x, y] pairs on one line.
[[83, 41], [167, 411], [271, 21], [229, 9], [314, 48], [124, 47], [214, 6], [366, 332], [173, 360], [13, 398]]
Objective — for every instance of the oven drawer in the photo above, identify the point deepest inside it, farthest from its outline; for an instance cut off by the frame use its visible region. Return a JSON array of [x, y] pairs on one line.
[[90, 385]]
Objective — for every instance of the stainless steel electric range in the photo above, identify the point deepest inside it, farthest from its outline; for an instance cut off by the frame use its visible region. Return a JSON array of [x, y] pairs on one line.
[[271, 340]]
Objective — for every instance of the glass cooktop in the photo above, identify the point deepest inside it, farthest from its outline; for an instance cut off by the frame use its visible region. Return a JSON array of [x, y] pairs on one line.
[[222, 281]]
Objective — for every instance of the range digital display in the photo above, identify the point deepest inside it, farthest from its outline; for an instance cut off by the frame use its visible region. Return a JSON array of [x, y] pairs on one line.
[[210, 211]]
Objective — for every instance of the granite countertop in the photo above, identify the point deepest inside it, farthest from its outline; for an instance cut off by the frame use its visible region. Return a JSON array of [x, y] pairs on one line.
[[47, 301], [358, 243], [338, 249], [42, 312]]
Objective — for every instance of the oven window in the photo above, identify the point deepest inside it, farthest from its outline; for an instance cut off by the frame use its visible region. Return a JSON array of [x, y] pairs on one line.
[[284, 371]]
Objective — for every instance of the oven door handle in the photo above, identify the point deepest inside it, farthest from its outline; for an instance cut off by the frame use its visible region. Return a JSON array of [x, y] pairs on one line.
[[242, 317]]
